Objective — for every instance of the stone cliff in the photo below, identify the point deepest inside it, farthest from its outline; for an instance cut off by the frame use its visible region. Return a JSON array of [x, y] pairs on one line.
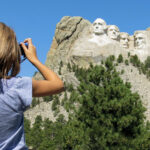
[[78, 41]]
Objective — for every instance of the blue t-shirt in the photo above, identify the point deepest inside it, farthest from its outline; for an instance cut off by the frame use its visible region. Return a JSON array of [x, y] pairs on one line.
[[15, 97]]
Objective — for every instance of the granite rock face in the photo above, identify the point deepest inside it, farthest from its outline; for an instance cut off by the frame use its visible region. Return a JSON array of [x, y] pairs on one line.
[[78, 41], [67, 31]]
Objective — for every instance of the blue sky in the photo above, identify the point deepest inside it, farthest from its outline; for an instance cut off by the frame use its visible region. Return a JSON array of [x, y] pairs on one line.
[[38, 18]]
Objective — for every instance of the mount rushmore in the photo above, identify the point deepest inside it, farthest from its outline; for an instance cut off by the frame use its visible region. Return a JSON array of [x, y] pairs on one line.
[[78, 41], [101, 39]]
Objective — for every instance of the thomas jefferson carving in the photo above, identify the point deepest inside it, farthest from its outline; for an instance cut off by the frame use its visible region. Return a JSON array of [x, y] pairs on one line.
[[113, 32]]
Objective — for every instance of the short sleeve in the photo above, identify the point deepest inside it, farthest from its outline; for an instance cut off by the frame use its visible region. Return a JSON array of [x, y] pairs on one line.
[[24, 90]]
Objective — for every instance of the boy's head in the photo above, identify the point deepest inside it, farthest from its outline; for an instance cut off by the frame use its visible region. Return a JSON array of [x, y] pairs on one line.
[[9, 52]]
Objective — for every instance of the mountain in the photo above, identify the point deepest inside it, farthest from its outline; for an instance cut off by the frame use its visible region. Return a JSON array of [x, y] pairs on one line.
[[77, 41]]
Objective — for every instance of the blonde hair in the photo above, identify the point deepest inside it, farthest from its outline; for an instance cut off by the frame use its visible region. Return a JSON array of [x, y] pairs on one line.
[[9, 52]]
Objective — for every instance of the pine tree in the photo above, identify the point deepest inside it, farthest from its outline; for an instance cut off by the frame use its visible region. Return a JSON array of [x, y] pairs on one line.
[[104, 115], [147, 62], [120, 59], [110, 116], [36, 133], [27, 129]]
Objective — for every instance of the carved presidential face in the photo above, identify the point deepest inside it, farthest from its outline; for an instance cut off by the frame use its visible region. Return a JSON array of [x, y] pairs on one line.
[[113, 32], [99, 26], [139, 40], [124, 40]]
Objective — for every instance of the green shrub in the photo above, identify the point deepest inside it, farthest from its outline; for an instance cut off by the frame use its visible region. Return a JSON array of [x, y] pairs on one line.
[[110, 116], [126, 62], [35, 101], [47, 98], [120, 59]]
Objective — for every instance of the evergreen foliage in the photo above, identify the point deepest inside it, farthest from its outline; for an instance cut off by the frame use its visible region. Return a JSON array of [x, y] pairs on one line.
[[60, 66], [55, 103], [135, 61], [120, 59], [69, 67], [104, 114], [47, 98], [128, 54], [110, 116], [127, 62], [64, 99], [45, 135], [35, 134], [35, 101], [143, 67], [147, 62]]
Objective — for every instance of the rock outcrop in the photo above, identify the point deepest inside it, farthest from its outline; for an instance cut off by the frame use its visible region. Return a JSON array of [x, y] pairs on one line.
[[78, 41]]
